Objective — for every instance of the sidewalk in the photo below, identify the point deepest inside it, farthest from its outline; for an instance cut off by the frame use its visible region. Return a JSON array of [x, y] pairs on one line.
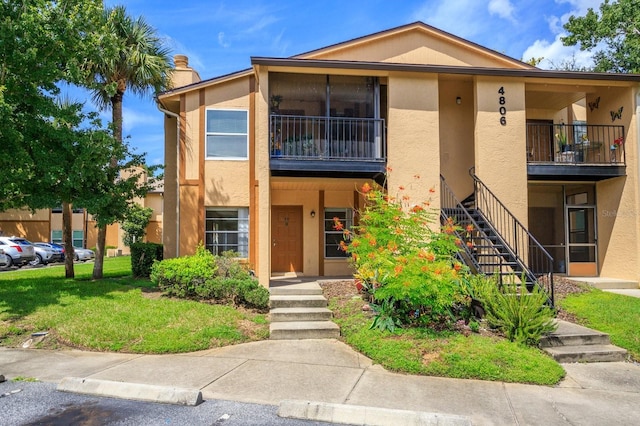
[[329, 372]]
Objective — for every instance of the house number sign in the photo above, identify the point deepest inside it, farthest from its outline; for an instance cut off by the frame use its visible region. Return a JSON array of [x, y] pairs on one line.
[[503, 109]]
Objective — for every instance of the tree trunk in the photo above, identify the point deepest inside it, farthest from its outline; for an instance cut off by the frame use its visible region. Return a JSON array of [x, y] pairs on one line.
[[116, 118], [67, 240], [100, 245]]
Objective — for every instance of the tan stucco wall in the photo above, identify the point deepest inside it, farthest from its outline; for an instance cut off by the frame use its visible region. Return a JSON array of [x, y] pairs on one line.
[[415, 47], [413, 145], [457, 128], [501, 150], [618, 199]]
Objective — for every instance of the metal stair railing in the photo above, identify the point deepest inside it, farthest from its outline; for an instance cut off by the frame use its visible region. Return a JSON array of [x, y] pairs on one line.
[[469, 254], [517, 238]]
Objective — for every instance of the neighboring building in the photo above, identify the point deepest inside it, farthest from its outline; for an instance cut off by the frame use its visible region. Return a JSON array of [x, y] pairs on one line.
[[46, 225], [261, 160]]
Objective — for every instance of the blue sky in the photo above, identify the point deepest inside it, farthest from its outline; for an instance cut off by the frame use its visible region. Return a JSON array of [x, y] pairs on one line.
[[219, 37]]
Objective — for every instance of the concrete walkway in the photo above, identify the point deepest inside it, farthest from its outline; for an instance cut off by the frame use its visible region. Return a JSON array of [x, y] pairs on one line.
[[336, 383]]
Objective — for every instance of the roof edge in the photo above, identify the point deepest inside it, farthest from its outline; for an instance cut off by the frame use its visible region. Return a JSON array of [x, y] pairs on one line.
[[443, 69]]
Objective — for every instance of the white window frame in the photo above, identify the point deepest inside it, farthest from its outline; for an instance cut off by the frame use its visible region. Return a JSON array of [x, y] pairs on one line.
[[208, 133], [329, 214], [242, 230]]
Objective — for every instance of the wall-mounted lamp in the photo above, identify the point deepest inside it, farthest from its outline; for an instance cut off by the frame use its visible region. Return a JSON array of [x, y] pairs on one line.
[[458, 100], [313, 213]]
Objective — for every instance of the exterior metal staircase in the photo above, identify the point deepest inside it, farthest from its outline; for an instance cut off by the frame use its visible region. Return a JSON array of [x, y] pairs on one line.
[[493, 241]]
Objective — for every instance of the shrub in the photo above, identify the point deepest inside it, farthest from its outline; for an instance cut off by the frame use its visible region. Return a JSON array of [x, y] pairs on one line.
[[181, 276], [143, 255], [522, 316], [221, 279], [403, 259]]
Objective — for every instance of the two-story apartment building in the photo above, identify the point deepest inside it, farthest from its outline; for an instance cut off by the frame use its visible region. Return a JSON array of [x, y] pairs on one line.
[[260, 161]]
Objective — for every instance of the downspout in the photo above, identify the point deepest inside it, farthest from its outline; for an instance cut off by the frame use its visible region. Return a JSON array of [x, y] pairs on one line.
[[177, 117]]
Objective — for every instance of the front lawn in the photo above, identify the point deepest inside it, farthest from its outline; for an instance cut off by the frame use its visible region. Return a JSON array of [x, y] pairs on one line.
[[445, 354], [118, 313], [611, 313]]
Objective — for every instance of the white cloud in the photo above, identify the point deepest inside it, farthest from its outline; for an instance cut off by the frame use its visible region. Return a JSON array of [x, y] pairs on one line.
[[555, 53], [502, 8], [132, 118], [221, 40], [459, 17]]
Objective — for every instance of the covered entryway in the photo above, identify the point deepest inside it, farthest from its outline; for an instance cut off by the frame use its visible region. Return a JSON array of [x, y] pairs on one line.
[[562, 217], [286, 239]]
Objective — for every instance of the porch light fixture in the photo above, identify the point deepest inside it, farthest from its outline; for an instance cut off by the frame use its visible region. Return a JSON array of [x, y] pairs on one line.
[[313, 213], [458, 100]]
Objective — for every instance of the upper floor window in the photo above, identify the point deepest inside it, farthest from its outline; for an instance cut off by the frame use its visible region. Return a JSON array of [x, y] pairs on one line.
[[227, 133]]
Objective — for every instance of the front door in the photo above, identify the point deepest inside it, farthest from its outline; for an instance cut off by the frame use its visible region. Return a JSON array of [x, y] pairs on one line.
[[286, 239], [582, 249]]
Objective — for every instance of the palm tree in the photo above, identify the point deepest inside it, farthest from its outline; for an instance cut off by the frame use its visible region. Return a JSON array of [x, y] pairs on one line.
[[133, 58]]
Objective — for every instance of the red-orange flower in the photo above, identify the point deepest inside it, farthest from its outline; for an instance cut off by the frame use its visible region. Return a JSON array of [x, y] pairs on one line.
[[431, 257], [469, 244], [343, 246], [432, 190], [401, 188], [372, 242], [355, 243], [417, 209], [469, 228], [457, 266], [366, 188], [398, 269], [338, 226]]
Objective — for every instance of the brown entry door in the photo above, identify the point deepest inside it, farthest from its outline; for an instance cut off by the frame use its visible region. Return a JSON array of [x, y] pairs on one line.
[[286, 239]]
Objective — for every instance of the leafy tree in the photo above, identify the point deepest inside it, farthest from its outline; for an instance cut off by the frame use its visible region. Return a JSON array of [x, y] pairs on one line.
[[618, 27], [134, 59], [135, 224], [42, 43]]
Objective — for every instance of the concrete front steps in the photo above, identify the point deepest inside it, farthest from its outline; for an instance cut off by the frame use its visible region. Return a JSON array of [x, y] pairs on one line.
[[575, 343], [299, 311]]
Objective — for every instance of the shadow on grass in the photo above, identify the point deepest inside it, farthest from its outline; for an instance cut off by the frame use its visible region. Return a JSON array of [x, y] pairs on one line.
[[25, 292]]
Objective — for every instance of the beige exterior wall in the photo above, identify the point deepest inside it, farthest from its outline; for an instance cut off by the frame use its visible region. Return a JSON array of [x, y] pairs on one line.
[[500, 150], [413, 146], [422, 46], [457, 133]]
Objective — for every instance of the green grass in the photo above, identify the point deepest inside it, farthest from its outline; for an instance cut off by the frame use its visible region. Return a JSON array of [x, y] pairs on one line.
[[611, 313], [446, 354], [118, 313]]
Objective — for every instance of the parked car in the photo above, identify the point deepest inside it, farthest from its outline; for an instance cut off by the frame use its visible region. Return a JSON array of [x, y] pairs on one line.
[[4, 260], [19, 250], [82, 254], [45, 253], [59, 247]]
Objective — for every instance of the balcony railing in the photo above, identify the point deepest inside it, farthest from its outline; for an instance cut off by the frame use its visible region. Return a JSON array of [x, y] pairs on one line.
[[567, 144], [327, 138]]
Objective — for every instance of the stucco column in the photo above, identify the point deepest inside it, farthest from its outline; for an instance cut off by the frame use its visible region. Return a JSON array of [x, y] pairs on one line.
[[500, 141], [263, 177], [413, 148]]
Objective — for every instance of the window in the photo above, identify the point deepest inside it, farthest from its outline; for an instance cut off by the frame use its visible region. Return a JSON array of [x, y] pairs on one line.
[[77, 238], [332, 236], [56, 236], [227, 229], [227, 134]]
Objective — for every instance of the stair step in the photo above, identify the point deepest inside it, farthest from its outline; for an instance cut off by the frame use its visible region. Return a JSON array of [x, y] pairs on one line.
[[298, 301], [293, 330], [300, 314], [587, 353], [573, 334], [292, 290]]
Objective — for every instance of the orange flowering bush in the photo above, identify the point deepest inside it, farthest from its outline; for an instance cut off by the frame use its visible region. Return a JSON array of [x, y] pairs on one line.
[[404, 259]]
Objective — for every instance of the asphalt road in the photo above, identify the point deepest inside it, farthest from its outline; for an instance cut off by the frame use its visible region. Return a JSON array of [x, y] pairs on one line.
[[38, 403]]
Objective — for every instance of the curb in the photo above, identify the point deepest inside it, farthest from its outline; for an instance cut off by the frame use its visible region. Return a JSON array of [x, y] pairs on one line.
[[361, 415], [135, 391]]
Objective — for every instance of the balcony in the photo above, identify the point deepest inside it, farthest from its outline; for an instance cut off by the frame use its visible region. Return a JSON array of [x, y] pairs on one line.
[[309, 146], [575, 151]]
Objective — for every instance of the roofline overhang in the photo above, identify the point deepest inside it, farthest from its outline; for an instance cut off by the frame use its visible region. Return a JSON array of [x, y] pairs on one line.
[[205, 83], [440, 69]]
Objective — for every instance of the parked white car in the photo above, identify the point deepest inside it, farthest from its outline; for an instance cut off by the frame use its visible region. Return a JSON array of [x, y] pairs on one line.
[[45, 254], [19, 250], [82, 254], [4, 260]]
